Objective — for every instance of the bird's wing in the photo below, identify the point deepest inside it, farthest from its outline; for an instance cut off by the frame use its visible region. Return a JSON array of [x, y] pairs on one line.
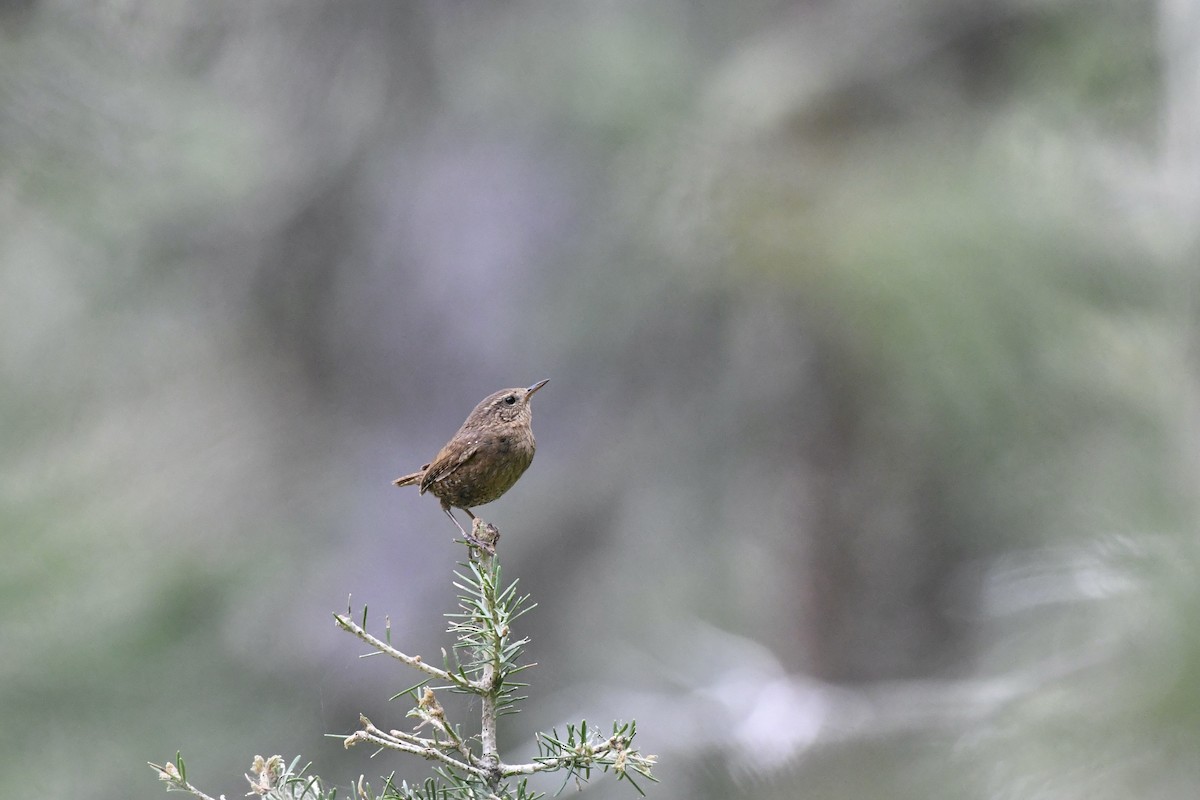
[[446, 463]]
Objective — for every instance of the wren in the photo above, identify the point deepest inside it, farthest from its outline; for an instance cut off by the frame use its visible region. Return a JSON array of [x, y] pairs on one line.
[[481, 462]]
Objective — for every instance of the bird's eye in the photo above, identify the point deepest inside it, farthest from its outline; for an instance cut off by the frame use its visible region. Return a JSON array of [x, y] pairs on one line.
[[508, 401]]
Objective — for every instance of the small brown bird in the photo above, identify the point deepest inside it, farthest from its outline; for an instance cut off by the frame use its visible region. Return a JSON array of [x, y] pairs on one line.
[[484, 459]]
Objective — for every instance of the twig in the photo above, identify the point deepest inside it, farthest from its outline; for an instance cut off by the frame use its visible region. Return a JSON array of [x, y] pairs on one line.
[[345, 623], [169, 773], [408, 743], [555, 762], [431, 712]]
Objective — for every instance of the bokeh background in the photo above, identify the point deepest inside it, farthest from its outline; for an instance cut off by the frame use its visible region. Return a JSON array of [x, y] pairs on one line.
[[868, 464]]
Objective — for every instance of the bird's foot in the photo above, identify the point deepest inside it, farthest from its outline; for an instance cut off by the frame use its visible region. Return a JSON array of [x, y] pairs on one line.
[[483, 535]]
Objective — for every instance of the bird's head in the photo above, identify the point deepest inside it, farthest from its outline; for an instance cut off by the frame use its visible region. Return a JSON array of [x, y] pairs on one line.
[[507, 406]]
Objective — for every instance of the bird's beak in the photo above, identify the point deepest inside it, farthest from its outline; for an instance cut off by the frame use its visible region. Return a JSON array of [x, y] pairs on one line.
[[529, 392]]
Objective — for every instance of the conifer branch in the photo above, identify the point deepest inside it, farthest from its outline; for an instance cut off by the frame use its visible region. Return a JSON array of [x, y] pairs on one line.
[[482, 662]]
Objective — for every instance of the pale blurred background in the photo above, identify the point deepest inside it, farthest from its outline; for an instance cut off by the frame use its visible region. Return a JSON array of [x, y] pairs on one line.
[[868, 463]]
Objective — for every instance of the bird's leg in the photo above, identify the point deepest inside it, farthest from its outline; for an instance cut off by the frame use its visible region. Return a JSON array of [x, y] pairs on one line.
[[488, 535], [446, 508]]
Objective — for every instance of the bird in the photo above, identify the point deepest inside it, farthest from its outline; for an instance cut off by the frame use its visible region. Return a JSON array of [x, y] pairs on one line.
[[483, 460]]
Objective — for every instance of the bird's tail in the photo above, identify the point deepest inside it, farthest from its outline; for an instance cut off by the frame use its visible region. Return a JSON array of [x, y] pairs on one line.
[[411, 479]]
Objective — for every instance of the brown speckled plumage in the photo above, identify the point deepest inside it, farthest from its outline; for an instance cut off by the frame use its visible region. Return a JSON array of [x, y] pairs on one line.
[[491, 450]]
